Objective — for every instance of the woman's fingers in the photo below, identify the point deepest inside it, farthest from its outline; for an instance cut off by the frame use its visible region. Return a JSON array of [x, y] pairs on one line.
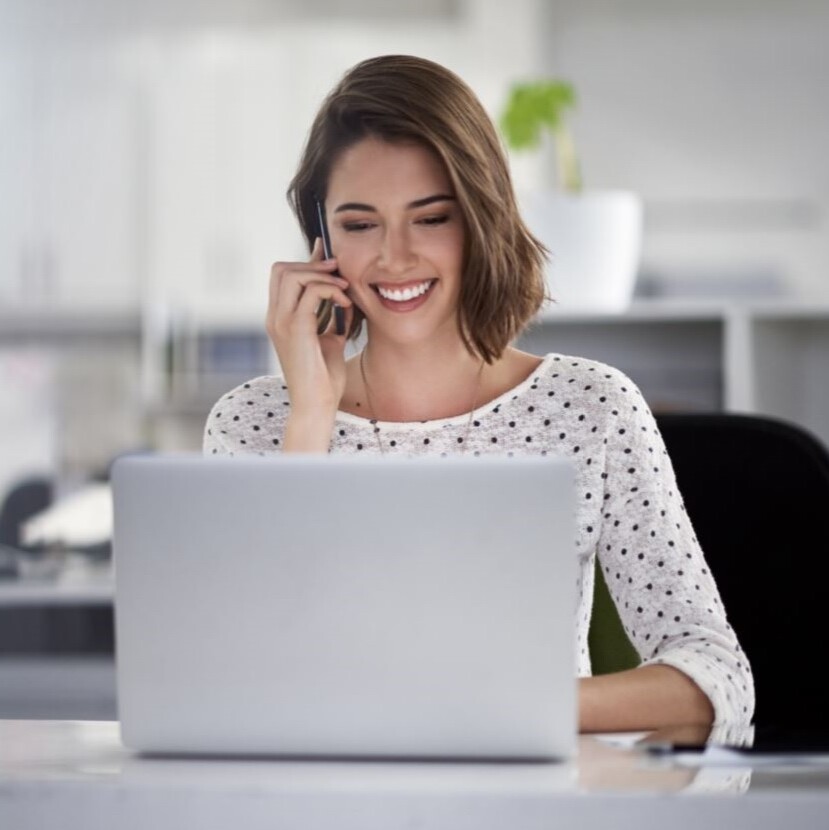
[[317, 253], [289, 314], [295, 285], [293, 276], [311, 298], [290, 277], [289, 282], [313, 365]]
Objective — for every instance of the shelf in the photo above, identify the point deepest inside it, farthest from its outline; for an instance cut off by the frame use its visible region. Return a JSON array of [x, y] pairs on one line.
[[54, 325], [684, 310]]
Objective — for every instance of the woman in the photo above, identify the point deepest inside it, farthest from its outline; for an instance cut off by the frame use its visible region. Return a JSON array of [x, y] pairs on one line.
[[435, 261]]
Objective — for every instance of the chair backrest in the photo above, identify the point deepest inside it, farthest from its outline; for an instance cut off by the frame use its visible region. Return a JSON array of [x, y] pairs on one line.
[[757, 492], [23, 500]]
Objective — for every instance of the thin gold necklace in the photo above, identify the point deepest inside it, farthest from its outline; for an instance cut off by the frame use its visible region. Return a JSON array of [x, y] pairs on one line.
[[373, 420]]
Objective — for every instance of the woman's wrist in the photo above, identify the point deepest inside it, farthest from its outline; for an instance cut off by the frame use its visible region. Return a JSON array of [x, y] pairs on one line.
[[308, 432]]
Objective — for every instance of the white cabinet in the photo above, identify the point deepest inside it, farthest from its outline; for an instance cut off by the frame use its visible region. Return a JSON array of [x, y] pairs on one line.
[[17, 233], [70, 213], [224, 145]]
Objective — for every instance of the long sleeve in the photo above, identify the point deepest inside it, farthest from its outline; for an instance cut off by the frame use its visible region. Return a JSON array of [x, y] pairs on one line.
[[656, 573]]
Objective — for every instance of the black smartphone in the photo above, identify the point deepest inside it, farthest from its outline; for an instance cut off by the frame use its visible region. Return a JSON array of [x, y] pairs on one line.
[[324, 312]]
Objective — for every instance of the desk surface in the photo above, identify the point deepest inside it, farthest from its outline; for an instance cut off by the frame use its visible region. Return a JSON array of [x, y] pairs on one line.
[[77, 774], [76, 581]]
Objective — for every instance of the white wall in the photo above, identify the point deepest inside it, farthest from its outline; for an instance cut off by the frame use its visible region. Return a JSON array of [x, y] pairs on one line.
[[712, 110], [716, 112]]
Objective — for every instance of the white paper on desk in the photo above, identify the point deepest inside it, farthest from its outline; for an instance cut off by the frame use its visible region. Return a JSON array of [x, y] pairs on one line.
[[624, 740], [720, 756], [79, 519]]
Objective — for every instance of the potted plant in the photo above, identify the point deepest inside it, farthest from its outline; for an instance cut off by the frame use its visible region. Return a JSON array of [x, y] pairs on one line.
[[594, 237]]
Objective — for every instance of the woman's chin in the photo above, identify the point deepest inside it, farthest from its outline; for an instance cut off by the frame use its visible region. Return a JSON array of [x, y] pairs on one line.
[[410, 331]]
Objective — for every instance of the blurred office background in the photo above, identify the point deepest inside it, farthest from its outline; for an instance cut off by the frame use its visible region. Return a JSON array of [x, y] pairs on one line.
[[145, 149]]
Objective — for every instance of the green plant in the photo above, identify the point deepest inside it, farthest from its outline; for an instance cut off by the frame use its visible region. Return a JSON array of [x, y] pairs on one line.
[[538, 105]]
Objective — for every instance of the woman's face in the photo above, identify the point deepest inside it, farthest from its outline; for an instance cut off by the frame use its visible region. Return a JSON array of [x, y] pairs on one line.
[[398, 235]]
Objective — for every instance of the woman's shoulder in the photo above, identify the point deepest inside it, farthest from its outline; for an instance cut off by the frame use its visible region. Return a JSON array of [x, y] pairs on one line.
[[586, 374], [590, 391], [253, 395], [249, 412], [568, 383]]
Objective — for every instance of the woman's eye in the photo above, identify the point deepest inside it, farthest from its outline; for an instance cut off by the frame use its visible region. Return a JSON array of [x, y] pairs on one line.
[[435, 220], [357, 226]]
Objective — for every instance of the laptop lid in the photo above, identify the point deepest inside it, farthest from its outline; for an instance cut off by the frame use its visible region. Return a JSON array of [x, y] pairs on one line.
[[313, 605]]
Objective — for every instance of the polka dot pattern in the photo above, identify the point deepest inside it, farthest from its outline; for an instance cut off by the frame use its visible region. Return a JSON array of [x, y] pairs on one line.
[[629, 513]]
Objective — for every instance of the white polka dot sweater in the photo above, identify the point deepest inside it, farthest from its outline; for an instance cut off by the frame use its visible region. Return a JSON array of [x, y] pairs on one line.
[[630, 513]]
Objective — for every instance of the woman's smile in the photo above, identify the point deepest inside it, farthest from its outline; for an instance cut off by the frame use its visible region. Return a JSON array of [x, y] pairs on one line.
[[405, 296]]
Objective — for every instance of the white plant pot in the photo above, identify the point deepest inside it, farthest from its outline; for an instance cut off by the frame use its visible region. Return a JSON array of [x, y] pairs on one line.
[[595, 242]]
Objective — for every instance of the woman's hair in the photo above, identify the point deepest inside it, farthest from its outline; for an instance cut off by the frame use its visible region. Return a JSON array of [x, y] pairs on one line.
[[409, 99]]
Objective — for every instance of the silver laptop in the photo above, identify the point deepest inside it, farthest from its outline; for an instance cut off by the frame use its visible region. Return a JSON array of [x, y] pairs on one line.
[[326, 606]]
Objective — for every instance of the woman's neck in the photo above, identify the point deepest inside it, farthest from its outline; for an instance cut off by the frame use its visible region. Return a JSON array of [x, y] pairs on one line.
[[429, 381], [420, 382]]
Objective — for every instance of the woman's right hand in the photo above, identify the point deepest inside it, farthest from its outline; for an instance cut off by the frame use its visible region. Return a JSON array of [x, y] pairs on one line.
[[313, 364]]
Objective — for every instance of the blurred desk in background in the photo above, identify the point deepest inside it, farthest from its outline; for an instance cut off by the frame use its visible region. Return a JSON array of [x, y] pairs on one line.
[[77, 581], [56, 643]]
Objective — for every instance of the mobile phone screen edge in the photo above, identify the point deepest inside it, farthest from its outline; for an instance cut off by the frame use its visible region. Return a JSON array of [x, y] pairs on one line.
[[339, 312]]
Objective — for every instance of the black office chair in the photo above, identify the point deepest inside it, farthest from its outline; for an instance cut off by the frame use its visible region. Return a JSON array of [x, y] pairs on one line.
[[23, 500], [757, 492]]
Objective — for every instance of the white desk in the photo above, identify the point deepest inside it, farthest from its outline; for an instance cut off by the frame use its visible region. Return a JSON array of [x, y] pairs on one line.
[[77, 774], [78, 581]]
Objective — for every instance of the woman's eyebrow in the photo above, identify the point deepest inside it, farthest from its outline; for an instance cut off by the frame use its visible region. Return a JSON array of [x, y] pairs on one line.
[[417, 203], [438, 197]]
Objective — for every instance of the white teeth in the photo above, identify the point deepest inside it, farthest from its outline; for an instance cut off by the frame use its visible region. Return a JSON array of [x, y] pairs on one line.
[[406, 294]]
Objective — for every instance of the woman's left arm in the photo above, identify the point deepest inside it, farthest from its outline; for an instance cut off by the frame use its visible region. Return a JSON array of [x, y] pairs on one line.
[[694, 670], [648, 697]]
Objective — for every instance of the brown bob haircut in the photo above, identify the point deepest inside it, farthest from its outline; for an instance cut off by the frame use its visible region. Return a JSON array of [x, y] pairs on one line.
[[401, 98]]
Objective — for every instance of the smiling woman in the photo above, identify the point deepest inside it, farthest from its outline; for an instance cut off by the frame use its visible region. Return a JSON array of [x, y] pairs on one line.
[[435, 157], [433, 258], [401, 255]]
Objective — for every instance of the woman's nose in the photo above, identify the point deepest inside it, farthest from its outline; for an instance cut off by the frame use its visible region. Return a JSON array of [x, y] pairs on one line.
[[396, 254]]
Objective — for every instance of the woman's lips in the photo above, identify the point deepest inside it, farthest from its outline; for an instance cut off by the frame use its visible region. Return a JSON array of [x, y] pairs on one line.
[[404, 292]]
